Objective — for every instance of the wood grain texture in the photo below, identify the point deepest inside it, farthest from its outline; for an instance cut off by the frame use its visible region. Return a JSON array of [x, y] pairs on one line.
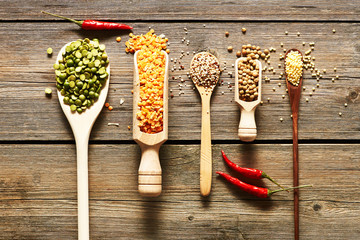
[[228, 10], [25, 71], [38, 193]]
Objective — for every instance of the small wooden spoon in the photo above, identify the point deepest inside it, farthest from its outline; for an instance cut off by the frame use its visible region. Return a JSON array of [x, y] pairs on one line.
[[150, 168], [294, 96], [247, 126], [81, 125], [205, 149]]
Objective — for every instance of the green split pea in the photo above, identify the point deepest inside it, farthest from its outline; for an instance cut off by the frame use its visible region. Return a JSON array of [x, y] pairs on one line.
[[81, 73]]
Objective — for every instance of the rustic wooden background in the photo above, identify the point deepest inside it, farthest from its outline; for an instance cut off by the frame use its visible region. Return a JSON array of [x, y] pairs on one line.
[[37, 152]]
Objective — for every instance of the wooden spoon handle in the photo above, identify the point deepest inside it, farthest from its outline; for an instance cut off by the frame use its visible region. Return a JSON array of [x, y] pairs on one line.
[[205, 150], [296, 175], [150, 172], [247, 126], [82, 187]]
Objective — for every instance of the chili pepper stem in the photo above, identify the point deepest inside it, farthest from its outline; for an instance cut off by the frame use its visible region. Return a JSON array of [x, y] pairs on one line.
[[69, 19], [287, 189], [264, 175]]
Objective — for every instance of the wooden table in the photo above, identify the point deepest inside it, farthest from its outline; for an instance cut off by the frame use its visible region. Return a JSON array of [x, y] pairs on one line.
[[37, 151]]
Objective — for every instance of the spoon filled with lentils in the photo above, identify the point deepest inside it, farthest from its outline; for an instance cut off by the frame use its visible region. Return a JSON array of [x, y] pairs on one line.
[[205, 73]]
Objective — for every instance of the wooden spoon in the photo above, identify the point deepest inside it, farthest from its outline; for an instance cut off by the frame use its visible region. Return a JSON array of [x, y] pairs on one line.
[[247, 126], [81, 125], [294, 96], [150, 169], [205, 149]]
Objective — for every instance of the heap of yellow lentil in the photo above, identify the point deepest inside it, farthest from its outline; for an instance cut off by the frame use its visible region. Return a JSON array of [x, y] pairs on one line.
[[151, 66]]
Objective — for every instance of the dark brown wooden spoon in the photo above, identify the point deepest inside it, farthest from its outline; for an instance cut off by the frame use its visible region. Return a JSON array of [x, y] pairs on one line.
[[294, 96]]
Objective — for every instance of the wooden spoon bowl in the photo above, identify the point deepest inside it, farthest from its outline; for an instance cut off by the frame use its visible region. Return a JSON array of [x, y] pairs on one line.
[[81, 125], [247, 127]]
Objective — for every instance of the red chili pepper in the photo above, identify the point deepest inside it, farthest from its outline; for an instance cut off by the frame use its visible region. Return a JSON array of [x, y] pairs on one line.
[[254, 190], [93, 24], [248, 172]]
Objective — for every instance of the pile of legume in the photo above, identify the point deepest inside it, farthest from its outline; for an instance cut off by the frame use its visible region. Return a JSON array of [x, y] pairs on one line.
[[151, 63], [81, 73], [294, 67], [148, 41], [254, 52], [248, 77], [205, 70]]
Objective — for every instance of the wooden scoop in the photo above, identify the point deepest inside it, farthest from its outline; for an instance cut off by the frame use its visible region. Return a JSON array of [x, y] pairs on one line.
[[247, 126], [205, 149], [81, 125], [294, 96], [150, 169]]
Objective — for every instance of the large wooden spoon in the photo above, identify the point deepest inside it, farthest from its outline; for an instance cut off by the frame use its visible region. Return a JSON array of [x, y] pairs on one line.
[[205, 149], [81, 125], [294, 96]]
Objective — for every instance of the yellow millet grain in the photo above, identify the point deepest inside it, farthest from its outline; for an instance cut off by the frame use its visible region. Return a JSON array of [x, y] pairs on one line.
[[294, 67]]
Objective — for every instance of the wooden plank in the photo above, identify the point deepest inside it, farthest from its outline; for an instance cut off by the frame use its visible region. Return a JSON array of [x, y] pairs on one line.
[[26, 71], [228, 10], [38, 193]]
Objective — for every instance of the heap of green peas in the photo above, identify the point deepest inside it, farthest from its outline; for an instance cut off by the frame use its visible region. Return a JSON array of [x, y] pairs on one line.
[[81, 73]]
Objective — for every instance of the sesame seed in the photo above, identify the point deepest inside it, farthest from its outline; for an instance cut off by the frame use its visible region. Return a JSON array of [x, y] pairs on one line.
[[345, 104], [340, 114], [307, 100]]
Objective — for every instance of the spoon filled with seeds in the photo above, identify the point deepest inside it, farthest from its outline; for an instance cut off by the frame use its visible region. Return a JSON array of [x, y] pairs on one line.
[[82, 78], [294, 76], [247, 95], [205, 73]]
